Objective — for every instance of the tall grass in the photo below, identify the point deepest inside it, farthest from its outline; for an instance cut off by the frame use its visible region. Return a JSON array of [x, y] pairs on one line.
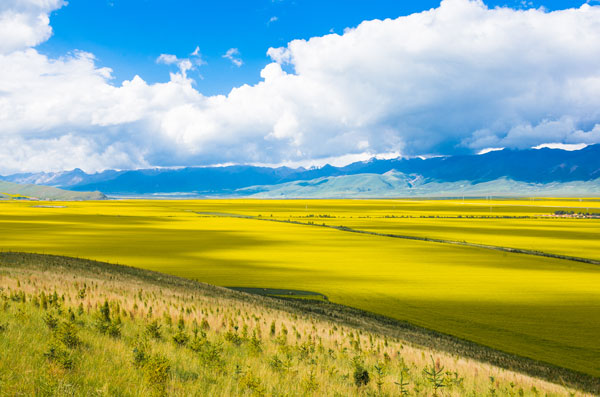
[[73, 327]]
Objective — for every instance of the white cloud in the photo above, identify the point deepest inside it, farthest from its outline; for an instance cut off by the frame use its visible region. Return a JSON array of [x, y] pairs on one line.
[[25, 23], [184, 64], [233, 54], [167, 59], [459, 77]]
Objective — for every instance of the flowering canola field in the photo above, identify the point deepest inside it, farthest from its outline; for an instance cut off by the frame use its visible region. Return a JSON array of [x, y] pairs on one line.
[[538, 307]]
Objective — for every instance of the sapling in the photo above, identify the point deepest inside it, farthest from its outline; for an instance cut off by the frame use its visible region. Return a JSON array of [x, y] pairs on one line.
[[56, 353], [310, 381], [156, 371], [434, 375], [153, 330], [402, 382]]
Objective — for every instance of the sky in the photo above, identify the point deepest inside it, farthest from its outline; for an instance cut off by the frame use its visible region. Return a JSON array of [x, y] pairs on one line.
[[123, 84]]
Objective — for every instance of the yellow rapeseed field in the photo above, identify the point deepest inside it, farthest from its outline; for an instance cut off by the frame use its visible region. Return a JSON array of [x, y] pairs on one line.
[[544, 308]]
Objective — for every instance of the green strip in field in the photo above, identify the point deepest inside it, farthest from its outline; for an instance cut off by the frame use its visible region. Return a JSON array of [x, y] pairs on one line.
[[281, 293]]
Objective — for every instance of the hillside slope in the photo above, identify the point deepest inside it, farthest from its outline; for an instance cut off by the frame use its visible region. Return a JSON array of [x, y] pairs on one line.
[[397, 184], [14, 190], [77, 327]]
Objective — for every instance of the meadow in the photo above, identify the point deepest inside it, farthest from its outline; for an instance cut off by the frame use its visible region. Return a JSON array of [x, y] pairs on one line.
[[537, 307], [76, 327]]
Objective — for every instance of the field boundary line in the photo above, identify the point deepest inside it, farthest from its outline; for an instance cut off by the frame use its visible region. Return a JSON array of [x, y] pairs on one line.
[[418, 238]]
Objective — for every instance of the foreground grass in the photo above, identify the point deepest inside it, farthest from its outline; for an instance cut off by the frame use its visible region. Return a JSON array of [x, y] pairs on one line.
[[75, 327], [541, 308]]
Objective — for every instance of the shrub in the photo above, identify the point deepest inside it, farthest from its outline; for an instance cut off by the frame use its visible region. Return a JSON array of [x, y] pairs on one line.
[[153, 330], [233, 338], [156, 371], [255, 343], [114, 328], [59, 355], [197, 343], [252, 383], [310, 382], [181, 338], [67, 334], [104, 324], [204, 325], [51, 321], [140, 352], [360, 375], [276, 364], [211, 355]]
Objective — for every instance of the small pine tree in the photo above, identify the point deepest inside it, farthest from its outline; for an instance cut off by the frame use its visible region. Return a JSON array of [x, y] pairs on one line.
[[434, 375]]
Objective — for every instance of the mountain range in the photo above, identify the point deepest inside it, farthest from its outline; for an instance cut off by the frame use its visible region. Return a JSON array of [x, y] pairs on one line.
[[502, 172], [17, 191]]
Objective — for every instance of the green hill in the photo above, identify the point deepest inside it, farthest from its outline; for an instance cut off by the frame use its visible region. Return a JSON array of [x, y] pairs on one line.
[[15, 191], [78, 327], [398, 184]]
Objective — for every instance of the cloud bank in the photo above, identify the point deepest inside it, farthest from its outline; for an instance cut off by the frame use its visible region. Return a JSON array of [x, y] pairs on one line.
[[458, 78]]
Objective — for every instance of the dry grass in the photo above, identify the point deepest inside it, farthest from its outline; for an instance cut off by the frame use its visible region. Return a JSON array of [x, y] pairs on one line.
[[315, 357]]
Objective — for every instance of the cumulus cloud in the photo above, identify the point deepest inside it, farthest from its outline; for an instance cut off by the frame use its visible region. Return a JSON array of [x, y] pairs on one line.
[[460, 77], [184, 64], [25, 23], [233, 54]]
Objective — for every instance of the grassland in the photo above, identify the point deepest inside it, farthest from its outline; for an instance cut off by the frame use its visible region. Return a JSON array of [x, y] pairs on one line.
[[542, 308], [77, 327]]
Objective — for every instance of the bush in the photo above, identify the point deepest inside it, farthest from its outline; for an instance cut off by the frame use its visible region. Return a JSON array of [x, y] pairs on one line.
[[181, 338], [140, 352], [204, 325], [252, 383], [233, 338], [360, 375], [197, 344], [156, 371], [59, 355], [104, 324], [51, 321], [67, 334], [310, 382], [211, 355], [153, 330]]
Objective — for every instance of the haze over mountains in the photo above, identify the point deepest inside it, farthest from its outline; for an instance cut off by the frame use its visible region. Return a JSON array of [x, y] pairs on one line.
[[505, 172]]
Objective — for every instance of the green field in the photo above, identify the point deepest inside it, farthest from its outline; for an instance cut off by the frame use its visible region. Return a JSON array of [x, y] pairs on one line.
[[543, 308]]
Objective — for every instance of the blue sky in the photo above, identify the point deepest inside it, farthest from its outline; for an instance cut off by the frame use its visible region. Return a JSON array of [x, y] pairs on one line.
[[122, 84], [128, 35]]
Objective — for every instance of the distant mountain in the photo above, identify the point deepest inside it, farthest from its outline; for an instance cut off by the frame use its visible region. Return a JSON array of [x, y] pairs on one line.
[[533, 166], [65, 179], [397, 184], [9, 190]]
